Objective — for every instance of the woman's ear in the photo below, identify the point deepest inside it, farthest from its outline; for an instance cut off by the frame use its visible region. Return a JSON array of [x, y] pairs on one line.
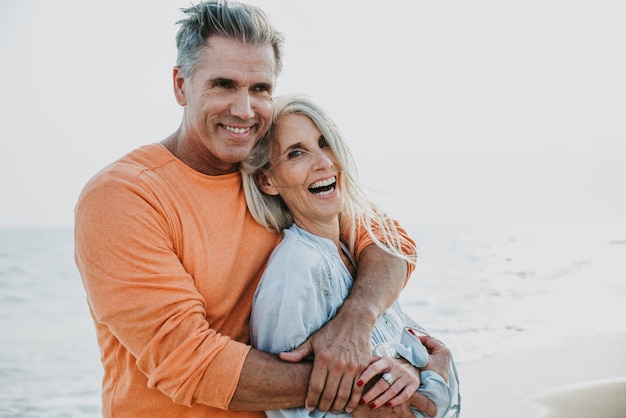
[[264, 183]]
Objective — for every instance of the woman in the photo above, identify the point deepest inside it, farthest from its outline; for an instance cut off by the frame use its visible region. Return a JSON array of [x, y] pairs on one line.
[[300, 179]]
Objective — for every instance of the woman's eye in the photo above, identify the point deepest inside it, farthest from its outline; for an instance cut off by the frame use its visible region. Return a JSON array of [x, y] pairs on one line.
[[295, 154]]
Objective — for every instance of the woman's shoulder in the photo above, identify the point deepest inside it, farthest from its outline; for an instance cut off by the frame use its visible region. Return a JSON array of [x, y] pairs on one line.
[[297, 249]]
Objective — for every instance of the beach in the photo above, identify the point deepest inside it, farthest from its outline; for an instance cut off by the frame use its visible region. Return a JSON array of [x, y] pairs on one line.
[[526, 306], [509, 384], [493, 131], [546, 311]]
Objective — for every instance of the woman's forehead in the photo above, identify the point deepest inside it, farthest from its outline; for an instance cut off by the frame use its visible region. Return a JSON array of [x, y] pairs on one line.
[[295, 127]]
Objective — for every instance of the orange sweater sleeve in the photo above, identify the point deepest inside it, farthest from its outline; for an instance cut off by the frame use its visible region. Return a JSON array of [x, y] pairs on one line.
[[169, 274], [363, 239]]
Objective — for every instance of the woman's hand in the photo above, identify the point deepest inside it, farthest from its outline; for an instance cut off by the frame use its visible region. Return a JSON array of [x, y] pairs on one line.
[[397, 382], [438, 357]]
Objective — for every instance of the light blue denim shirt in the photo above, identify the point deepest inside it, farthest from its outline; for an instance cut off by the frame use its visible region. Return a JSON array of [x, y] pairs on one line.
[[302, 288]]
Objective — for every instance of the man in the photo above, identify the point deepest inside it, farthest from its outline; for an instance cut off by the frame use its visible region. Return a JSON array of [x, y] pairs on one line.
[[170, 257]]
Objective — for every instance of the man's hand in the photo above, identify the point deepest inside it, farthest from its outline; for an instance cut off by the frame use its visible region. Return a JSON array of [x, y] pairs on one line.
[[424, 404], [417, 401], [341, 351], [364, 411]]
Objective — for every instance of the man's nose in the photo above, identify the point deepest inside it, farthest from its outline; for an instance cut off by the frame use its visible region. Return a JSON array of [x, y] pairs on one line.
[[242, 105]]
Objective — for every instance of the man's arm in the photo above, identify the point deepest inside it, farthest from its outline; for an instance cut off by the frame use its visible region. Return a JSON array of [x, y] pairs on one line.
[[342, 347], [267, 382], [288, 389]]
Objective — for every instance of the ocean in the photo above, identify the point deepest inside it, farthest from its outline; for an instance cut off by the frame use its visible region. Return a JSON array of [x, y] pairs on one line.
[[49, 359], [481, 287]]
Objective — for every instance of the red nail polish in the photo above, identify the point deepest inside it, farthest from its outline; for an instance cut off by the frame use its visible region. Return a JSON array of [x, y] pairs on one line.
[[412, 332], [362, 401], [372, 405], [388, 404], [359, 383]]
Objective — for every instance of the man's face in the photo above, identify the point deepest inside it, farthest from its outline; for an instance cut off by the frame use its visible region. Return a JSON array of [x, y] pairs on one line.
[[228, 104]]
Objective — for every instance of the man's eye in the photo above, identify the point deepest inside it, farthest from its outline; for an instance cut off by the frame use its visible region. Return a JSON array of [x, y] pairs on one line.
[[261, 88], [223, 84]]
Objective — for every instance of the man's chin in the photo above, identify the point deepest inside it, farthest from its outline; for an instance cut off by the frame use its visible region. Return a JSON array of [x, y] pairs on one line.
[[236, 155]]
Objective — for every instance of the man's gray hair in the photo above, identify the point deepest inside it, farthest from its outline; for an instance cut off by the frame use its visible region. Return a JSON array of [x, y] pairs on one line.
[[233, 20]]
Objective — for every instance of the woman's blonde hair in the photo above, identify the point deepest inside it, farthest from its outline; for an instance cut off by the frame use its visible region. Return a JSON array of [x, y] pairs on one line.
[[358, 211]]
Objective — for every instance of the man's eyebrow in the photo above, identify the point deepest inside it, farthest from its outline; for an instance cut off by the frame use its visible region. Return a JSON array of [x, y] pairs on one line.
[[221, 80]]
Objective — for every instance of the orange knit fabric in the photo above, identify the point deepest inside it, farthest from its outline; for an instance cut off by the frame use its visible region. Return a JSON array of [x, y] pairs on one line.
[[170, 259]]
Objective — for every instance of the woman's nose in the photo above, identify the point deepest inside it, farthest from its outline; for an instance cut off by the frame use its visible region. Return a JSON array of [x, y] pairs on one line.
[[321, 159]]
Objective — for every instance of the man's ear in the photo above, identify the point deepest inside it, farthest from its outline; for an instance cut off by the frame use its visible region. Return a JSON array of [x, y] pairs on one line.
[[264, 183], [179, 86]]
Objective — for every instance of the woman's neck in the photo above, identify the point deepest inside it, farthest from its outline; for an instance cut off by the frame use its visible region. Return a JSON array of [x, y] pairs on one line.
[[328, 230]]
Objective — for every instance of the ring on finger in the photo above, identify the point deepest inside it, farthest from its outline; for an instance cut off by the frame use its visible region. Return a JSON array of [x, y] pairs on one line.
[[387, 377]]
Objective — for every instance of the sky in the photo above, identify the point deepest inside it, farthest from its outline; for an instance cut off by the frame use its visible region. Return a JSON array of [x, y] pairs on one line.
[[454, 110]]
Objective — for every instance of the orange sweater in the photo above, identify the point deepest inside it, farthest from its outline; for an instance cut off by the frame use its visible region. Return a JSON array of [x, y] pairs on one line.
[[170, 259]]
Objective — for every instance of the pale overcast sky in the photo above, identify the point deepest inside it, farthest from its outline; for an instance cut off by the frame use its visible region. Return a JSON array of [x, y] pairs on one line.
[[454, 108]]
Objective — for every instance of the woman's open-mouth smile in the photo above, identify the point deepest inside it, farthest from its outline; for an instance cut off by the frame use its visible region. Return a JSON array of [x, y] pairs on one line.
[[324, 187]]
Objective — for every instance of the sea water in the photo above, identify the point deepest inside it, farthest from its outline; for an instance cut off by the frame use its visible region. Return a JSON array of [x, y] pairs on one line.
[[518, 284], [49, 359], [481, 287]]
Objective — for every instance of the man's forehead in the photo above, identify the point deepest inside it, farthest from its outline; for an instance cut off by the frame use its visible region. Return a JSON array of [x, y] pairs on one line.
[[234, 59], [222, 45]]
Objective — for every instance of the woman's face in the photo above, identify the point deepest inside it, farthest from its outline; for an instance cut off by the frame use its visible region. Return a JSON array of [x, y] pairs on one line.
[[305, 173]]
